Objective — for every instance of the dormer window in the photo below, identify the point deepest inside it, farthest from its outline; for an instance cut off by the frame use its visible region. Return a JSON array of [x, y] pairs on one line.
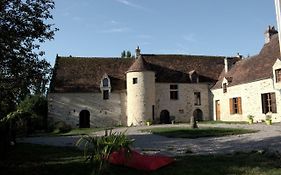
[[105, 82], [224, 87], [278, 75], [105, 87], [193, 76]]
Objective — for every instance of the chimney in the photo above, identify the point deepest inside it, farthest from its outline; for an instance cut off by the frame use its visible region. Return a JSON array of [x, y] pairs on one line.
[[270, 31], [239, 56], [225, 65], [138, 52]]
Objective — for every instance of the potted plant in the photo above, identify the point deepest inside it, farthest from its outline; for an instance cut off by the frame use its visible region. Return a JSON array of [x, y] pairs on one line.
[[268, 119], [148, 122], [250, 119]]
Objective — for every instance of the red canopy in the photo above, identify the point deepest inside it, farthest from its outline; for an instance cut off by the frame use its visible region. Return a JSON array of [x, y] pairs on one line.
[[139, 161]]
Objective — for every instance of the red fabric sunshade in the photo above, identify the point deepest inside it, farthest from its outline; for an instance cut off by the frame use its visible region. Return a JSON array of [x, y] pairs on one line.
[[139, 161]]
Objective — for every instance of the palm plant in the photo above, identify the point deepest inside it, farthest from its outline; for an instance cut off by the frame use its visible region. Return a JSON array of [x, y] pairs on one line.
[[98, 149]]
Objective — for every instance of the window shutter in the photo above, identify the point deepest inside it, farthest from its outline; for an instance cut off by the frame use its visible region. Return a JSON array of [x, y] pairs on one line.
[[239, 105], [263, 102], [231, 105], [273, 103]]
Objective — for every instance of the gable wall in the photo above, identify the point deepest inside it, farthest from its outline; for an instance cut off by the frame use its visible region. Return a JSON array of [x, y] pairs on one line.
[[250, 94]]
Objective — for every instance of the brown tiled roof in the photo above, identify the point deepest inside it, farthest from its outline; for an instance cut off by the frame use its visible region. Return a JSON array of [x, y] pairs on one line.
[[254, 68], [76, 74], [139, 65]]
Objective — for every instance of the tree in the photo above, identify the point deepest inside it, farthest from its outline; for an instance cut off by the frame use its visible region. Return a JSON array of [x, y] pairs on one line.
[[129, 55], [123, 54], [126, 54], [23, 27]]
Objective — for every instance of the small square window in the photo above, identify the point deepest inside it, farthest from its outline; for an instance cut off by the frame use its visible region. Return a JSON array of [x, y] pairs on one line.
[[173, 86], [135, 80], [106, 94]]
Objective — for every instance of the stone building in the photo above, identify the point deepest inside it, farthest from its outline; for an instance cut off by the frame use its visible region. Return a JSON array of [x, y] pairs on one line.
[[252, 86], [113, 91]]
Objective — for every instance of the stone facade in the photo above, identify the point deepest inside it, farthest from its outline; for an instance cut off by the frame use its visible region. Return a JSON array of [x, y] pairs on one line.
[[115, 111], [251, 101], [182, 108], [67, 106]]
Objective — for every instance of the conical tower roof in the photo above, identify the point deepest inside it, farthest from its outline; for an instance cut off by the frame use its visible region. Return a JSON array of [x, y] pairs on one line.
[[140, 65]]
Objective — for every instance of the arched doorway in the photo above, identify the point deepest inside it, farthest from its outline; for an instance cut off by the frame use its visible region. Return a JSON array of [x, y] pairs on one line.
[[165, 117], [84, 119], [198, 115]]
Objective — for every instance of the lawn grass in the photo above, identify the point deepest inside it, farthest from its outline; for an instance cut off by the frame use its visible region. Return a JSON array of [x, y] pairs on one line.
[[28, 159], [177, 132]]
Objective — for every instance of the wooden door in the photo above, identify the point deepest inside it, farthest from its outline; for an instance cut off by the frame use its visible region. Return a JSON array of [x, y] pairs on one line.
[[218, 110]]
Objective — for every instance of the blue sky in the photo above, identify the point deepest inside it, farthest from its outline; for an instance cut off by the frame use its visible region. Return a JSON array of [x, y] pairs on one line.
[[104, 28]]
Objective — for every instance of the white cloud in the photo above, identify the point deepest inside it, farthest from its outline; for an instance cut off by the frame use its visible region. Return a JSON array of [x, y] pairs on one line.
[[116, 30], [130, 4]]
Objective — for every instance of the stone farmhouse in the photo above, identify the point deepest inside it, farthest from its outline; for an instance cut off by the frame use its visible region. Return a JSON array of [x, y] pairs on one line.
[[252, 86], [99, 92]]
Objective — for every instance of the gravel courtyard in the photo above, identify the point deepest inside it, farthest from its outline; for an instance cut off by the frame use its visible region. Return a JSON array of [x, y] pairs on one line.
[[268, 138]]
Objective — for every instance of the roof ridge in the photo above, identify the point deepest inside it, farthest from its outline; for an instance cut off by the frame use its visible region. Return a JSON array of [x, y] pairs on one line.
[[86, 57]]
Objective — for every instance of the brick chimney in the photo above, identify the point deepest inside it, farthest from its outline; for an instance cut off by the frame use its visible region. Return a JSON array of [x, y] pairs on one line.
[[270, 31]]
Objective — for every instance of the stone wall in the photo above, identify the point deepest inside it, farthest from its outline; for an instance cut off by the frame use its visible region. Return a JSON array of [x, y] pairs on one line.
[[250, 94], [183, 108], [67, 106]]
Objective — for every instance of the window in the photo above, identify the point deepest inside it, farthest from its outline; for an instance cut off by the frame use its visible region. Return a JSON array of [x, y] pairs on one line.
[[135, 80], [174, 92], [278, 75], [235, 105], [268, 103], [105, 82], [197, 98], [224, 86], [105, 94]]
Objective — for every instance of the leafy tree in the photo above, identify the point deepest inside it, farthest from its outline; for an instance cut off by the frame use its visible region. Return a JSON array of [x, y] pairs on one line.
[[126, 54], [23, 27], [123, 54]]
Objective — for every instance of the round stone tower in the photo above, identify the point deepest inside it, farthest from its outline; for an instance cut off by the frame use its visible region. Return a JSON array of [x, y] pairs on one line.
[[140, 92]]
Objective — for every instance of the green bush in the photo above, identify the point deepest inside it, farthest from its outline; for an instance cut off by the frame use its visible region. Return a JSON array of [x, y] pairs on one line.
[[37, 106], [97, 149]]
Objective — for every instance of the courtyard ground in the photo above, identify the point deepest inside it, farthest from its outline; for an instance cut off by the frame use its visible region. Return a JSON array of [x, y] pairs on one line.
[[268, 138]]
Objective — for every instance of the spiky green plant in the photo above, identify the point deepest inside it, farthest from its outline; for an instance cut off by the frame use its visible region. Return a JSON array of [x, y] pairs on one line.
[[97, 149]]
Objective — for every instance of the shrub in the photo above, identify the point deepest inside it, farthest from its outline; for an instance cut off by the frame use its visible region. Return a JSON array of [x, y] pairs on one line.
[[97, 149], [38, 106]]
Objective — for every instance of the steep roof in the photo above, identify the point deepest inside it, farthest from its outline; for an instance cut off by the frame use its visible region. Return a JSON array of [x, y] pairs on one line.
[[139, 65], [254, 68], [78, 74]]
